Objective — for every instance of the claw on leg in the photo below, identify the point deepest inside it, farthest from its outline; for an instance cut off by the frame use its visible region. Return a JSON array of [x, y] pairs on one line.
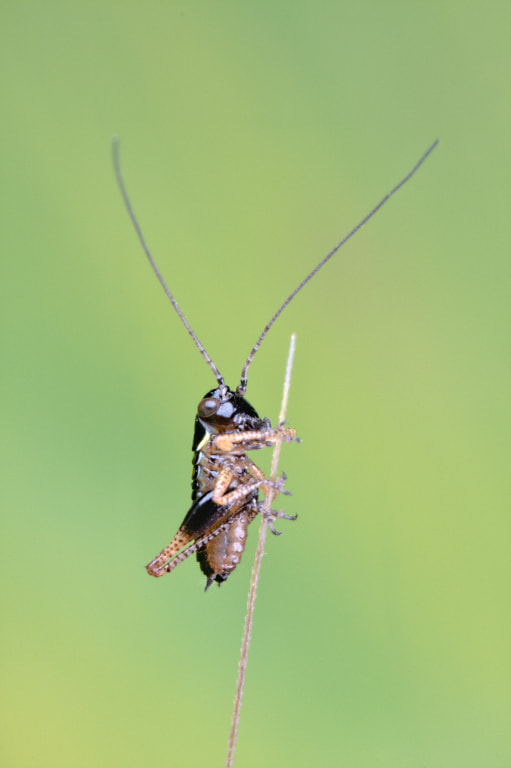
[[272, 515]]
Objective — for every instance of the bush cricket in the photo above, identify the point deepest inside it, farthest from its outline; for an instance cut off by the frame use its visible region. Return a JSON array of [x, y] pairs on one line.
[[226, 482]]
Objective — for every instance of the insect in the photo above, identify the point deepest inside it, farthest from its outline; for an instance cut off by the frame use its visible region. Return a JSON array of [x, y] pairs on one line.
[[226, 482]]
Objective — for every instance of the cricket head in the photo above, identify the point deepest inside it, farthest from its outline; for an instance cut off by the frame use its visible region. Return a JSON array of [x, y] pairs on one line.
[[222, 410]]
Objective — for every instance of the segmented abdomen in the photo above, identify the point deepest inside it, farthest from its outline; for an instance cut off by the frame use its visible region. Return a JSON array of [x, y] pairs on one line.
[[220, 556]]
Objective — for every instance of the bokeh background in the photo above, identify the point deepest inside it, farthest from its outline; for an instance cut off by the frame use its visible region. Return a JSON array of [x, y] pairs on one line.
[[254, 136]]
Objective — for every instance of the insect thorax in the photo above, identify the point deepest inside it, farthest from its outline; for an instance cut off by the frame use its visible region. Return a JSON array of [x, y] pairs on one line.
[[233, 414]]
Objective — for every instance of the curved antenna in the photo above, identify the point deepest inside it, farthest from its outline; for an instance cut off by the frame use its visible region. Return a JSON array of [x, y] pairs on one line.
[[127, 203], [243, 383]]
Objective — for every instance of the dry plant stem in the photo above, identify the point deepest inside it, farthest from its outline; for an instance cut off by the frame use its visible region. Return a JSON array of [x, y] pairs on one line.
[[245, 644]]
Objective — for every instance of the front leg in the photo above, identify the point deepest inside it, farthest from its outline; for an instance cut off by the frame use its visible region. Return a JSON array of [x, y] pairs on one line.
[[259, 438]]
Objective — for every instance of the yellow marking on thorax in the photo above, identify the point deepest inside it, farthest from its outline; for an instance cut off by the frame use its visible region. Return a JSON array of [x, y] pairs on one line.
[[203, 442]]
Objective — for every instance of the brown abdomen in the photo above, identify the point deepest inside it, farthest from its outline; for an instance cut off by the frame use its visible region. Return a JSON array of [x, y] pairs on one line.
[[220, 556]]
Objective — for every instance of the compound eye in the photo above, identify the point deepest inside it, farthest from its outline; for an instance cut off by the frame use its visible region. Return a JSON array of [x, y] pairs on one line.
[[208, 407]]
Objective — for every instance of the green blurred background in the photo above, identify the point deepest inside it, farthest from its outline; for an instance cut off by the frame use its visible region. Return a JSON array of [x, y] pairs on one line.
[[254, 136]]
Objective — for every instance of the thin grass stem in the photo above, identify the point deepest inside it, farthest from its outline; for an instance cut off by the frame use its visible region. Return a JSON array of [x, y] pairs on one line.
[[247, 632]]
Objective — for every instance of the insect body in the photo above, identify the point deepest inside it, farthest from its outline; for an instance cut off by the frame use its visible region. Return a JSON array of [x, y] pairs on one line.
[[226, 482], [225, 486]]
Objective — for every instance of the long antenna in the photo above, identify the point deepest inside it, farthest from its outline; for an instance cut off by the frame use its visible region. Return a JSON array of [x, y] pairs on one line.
[[243, 383], [127, 203]]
